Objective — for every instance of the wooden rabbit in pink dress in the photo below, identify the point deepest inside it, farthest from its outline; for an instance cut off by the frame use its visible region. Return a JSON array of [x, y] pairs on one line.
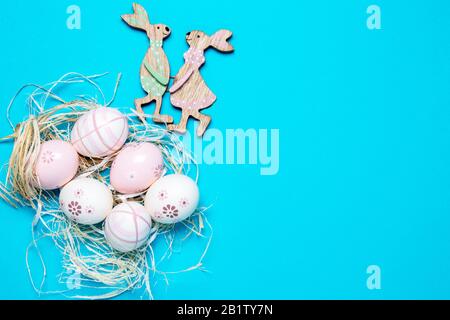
[[189, 91]]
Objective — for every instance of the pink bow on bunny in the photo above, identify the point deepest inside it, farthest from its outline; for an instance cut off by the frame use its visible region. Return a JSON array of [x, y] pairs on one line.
[[189, 91]]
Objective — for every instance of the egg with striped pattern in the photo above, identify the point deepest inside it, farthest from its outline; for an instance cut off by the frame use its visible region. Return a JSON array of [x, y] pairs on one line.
[[128, 226], [100, 132]]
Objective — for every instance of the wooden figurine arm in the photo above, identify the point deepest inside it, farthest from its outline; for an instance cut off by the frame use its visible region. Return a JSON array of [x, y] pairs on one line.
[[178, 84], [160, 78]]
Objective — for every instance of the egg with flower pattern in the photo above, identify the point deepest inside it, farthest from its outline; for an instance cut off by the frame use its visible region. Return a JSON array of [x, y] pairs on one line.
[[57, 164], [136, 167], [86, 201], [172, 198]]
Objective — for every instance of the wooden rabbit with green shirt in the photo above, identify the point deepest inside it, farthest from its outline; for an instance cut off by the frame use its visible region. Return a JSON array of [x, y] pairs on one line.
[[155, 69]]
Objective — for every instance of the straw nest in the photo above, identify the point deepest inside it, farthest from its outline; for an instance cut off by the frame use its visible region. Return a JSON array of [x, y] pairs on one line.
[[102, 271]]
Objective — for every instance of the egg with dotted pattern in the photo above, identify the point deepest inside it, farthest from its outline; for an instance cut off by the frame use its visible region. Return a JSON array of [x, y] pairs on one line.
[[136, 167], [172, 198], [127, 227], [100, 132], [86, 201], [56, 164]]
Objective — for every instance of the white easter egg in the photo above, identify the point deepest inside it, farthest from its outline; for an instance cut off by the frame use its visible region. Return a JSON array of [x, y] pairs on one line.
[[86, 201], [172, 198], [100, 132], [127, 227]]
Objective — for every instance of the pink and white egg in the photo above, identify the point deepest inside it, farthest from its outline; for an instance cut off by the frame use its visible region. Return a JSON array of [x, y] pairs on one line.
[[136, 167], [127, 227], [100, 132]]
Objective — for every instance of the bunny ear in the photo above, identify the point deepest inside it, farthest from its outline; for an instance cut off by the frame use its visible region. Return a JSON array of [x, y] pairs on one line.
[[139, 19], [219, 41]]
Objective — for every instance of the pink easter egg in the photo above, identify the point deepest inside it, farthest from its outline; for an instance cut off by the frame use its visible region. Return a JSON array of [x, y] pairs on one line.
[[136, 167], [127, 227], [56, 165], [100, 132]]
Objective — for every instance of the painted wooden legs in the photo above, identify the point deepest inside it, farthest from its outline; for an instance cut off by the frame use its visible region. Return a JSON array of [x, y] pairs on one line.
[[160, 118], [157, 116], [204, 122], [181, 127], [138, 104]]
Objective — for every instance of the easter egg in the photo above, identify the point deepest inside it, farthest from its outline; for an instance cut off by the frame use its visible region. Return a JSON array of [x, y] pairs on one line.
[[127, 227], [86, 201], [57, 164], [136, 167], [172, 198], [100, 132]]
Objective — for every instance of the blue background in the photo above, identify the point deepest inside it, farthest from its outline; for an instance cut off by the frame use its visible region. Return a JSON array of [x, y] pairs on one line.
[[364, 139]]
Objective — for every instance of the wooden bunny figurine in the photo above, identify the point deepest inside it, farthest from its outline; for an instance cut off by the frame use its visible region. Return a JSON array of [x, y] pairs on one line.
[[155, 70], [189, 91]]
